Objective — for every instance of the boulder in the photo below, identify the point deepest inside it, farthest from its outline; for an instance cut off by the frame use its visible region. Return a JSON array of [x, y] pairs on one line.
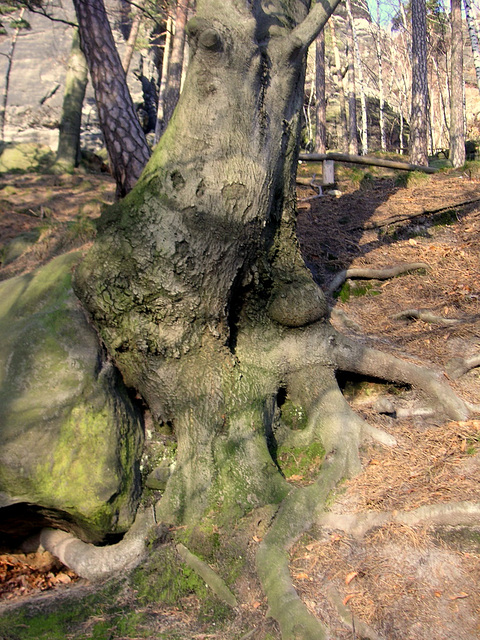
[[70, 437]]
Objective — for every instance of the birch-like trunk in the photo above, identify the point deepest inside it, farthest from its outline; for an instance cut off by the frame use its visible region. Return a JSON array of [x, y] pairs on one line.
[[473, 34], [457, 113]]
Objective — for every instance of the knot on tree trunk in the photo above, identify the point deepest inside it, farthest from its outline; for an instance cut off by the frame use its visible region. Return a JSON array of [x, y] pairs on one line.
[[297, 303]]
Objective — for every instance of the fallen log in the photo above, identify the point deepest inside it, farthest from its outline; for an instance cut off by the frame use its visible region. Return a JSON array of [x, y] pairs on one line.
[[368, 160]]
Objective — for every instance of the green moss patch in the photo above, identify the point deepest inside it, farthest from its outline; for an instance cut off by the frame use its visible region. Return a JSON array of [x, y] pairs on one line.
[[301, 463]]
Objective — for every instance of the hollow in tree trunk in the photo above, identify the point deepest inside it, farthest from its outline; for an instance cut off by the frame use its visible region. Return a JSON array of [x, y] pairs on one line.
[[201, 296]]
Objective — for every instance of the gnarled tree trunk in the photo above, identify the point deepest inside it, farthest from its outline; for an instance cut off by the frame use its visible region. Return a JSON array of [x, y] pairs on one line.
[[199, 291]]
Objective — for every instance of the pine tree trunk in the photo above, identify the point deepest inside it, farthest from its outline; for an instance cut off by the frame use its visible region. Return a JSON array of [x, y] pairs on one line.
[[473, 34], [419, 113], [70, 124], [124, 138], [321, 103], [457, 115], [359, 76]]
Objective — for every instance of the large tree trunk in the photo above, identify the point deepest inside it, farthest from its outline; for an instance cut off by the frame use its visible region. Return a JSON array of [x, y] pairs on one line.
[[457, 114], [71, 121], [419, 114], [124, 138], [199, 291]]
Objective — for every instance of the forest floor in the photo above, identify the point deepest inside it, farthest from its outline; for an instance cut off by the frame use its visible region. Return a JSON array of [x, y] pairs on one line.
[[405, 581]]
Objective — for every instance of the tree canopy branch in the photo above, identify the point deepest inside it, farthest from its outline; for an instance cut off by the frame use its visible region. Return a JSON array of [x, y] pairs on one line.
[[305, 33]]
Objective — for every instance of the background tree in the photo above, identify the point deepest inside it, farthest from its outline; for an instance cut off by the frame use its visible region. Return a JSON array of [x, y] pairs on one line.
[[321, 103], [457, 114], [175, 66], [419, 110], [473, 35], [68, 151], [124, 138]]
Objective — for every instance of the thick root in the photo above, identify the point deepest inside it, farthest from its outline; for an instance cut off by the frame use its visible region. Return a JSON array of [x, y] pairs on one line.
[[449, 513], [357, 358], [99, 563], [295, 515]]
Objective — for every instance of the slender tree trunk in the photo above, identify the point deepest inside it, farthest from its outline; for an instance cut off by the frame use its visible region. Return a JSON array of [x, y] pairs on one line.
[[419, 113], [3, 112], [321, 103], [473, 34], [352, 96], [132, 37], [457, 116], [164, 78], [340, 81], [381, 92], [124, 138], [359, 76], [71, 121], [172, 90]]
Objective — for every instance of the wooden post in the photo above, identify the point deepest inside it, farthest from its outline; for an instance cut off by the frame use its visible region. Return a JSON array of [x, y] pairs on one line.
[[328, 174]]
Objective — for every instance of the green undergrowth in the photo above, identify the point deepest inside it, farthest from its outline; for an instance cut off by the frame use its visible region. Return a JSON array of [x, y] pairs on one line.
[[356, 288], [412, 179]]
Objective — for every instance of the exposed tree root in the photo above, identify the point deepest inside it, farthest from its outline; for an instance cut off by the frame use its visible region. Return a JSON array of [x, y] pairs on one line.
[[346, 616], [445, 513], [374, 274], [212, 579], [98, 563], [425, 316], [457, 367]]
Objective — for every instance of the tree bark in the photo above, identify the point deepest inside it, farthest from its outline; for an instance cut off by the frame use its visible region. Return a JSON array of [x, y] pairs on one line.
[[457, 113], [352, 97], [321, 103], [124, 138], [419, 112], [70, 124]]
